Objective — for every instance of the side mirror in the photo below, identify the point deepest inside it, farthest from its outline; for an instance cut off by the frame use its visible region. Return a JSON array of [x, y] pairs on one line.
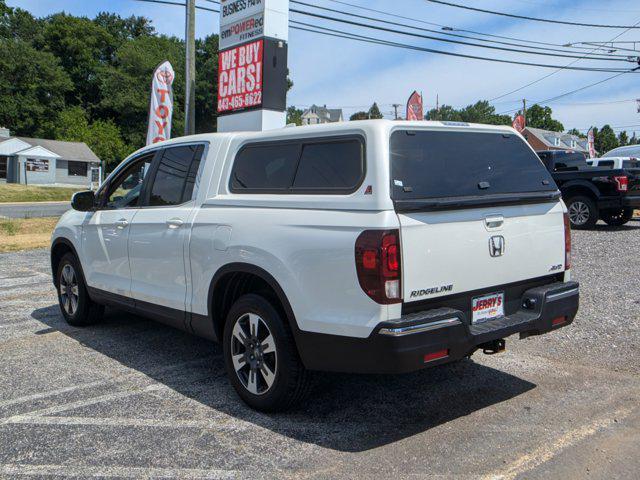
[[83, 201]]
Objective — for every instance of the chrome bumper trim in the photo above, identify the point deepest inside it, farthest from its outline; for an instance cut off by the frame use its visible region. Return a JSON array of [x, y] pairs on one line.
[[555, 296], [422, 327]]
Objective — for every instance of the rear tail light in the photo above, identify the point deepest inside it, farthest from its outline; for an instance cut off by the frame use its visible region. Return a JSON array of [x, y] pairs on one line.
[[622, 183], [378, 264], [430, 357], [567, 242], [558, 321]]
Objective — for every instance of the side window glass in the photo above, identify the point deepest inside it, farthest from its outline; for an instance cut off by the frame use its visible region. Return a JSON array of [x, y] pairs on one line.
[[264, 167], [125, 191], [193, 179], [170, 184], [336, 165]]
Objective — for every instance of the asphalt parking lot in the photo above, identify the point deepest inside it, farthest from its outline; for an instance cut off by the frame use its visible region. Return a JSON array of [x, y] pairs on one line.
[[132, 398]]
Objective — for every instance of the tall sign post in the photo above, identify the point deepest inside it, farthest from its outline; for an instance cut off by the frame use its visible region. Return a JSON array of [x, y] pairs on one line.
[[252, 64]]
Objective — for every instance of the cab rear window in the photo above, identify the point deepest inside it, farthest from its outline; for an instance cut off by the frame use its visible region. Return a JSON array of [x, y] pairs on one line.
[[441, 164]]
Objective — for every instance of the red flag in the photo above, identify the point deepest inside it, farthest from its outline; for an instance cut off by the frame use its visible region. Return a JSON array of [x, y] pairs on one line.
[[591, 143], [519, 123], [414, 107]]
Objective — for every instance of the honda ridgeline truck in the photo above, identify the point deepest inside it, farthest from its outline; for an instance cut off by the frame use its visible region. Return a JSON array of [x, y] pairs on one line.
[[368, 247]]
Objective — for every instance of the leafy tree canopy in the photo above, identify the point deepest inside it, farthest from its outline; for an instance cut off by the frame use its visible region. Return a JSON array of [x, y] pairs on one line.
[[479, 112], [294, 115], [541, 117]]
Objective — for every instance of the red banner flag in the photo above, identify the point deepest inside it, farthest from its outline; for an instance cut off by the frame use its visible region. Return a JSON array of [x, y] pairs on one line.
[[591, 143], [519, 123], [414, 107]]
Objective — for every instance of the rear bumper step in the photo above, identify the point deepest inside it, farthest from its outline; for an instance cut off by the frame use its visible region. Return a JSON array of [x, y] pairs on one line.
[[437, 336]]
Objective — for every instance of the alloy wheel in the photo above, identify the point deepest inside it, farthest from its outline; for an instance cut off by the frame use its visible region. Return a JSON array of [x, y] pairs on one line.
[[579, 213], [69, 289], [253, 352]]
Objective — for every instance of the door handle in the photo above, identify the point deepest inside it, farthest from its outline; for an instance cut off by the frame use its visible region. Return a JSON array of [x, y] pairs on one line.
[[122, 223], [174, 223], [494, 222]]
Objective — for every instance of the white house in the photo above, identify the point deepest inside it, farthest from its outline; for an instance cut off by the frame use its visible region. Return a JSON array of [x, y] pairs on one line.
[[45, 162], [316, 114]]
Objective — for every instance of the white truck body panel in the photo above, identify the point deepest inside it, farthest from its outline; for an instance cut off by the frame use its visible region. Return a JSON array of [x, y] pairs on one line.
[[306, 242]]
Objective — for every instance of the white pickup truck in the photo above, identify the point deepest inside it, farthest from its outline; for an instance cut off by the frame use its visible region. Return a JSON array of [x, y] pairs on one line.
[[369, 247]]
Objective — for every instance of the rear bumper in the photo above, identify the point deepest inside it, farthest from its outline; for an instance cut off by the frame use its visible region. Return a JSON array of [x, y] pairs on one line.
[[620, 201], [631, 201], [401, 345]]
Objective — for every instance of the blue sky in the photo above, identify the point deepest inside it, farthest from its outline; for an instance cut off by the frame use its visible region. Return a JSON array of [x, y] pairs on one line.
[[349, 74]]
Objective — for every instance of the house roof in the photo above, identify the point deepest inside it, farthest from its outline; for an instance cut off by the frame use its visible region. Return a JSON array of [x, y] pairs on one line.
[[565, 140], [330, 114], [76, 151]]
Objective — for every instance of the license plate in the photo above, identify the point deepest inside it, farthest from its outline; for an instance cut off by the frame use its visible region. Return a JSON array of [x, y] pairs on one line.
[[487, 307]]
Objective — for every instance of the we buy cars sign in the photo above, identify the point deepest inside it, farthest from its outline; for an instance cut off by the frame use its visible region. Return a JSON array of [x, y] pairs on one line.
[[240, 77]]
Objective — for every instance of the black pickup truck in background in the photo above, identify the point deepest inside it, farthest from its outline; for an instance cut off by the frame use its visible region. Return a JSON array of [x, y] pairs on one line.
[[593, 193]]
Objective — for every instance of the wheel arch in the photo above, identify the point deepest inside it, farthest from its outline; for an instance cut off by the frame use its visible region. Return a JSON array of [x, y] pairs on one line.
[[59, 248], [233, 280], [578, 187]]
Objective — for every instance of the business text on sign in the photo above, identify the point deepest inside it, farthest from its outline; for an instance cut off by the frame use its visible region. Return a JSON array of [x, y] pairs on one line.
[[240, 77]]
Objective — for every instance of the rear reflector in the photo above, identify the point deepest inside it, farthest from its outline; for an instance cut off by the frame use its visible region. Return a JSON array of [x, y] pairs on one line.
[[429, 357], [558, 321], [567, 242]]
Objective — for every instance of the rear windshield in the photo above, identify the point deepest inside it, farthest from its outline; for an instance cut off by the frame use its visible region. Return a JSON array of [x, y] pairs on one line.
[[438, 164], [632, 163]]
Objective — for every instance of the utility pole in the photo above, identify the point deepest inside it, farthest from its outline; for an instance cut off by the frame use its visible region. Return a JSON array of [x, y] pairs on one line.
[[524, 110], [190, 69], [395, 108]]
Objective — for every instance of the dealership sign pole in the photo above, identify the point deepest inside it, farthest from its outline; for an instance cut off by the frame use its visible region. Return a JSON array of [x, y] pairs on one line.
[[161, 108], [252, 64]]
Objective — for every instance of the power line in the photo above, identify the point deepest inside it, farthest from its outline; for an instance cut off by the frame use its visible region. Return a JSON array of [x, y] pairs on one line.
[[366, 39], [361, 38], [388, 22], [560, 69], [548, 100], [524, 17], [429, 37]]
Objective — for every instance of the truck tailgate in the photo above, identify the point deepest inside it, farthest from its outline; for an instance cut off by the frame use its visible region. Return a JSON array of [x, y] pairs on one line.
[[455, 251]]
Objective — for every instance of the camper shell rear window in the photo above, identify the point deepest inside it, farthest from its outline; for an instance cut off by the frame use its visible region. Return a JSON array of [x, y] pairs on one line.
[[437, 164]]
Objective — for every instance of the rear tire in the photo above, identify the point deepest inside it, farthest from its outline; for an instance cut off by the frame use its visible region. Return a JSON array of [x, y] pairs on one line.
[[583, 212], [260, 356], [617, 218], [76, 306]]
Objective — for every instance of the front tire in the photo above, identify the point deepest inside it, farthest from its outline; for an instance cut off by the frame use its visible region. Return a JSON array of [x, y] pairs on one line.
[[583, 212], [260, 356], [617, 218], [76, 306]]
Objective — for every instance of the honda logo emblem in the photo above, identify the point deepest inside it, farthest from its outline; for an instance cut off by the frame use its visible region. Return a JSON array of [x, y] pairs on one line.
[[496, 246]]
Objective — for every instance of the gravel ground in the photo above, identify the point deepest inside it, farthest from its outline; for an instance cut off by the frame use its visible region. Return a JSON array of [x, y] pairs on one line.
[[132, 398]]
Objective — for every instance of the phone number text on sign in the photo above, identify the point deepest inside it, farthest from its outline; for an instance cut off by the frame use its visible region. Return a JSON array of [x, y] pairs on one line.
[[240, 77]]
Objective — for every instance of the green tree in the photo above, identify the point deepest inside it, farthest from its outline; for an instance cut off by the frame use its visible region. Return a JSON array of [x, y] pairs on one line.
[[125, 87], [445, 113], [206, 84], [359, 116], [479, 112], [633, 140], [33, 86], [605, 139], [294, 115], [576, 132], [82, 47], [483, 112], [18, 24], [541, 117], [102, 136], [623, 138], [374, 112]]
